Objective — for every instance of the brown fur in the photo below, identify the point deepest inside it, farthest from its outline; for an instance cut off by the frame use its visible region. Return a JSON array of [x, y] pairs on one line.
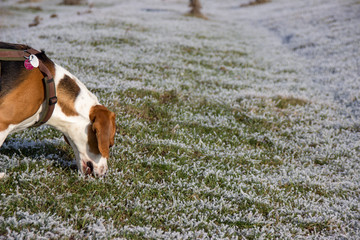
[[67, 91], [103, 125], [23, 101], [21, 90]]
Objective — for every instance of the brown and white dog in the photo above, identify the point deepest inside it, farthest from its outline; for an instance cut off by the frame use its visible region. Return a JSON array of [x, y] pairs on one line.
[[88, 126]]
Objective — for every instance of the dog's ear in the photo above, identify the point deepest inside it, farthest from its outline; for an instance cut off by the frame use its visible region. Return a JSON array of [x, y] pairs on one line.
[[103, 124]]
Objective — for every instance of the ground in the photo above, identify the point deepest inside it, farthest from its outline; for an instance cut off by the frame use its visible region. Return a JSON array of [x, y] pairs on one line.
[[245, 125]]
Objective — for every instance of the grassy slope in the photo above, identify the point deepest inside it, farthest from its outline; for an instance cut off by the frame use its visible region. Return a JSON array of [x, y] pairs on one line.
[[207, 143]]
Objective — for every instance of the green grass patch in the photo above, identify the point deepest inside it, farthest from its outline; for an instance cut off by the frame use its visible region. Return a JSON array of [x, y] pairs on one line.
[[204, 148], [285, 102]]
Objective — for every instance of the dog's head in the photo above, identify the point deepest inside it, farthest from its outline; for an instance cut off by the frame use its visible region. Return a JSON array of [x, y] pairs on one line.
[[92, 143], [88, 126]]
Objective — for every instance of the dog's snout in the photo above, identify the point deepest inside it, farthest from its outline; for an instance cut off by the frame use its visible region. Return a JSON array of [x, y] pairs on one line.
[[89, 168], [101, 171], [90, 165]]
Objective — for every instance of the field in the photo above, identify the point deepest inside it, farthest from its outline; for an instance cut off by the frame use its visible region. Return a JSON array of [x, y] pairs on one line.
[[242, 126]]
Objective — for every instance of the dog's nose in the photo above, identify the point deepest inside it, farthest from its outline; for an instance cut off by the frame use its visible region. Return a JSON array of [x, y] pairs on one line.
[[97, 170], [90, 167]]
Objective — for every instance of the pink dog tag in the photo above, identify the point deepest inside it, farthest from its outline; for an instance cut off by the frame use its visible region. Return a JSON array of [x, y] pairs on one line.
[[31, 62], [28, 65]]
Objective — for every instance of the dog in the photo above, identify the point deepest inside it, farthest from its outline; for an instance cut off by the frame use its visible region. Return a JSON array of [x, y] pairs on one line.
[[88, 127]]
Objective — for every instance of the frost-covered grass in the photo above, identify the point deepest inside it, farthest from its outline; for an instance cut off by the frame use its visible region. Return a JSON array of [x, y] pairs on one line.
[[227, 128]]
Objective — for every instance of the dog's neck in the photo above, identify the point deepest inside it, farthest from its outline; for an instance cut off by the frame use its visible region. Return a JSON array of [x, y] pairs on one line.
[[75, 101]]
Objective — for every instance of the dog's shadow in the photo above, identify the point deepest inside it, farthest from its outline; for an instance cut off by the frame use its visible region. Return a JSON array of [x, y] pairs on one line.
[[17, 151]]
